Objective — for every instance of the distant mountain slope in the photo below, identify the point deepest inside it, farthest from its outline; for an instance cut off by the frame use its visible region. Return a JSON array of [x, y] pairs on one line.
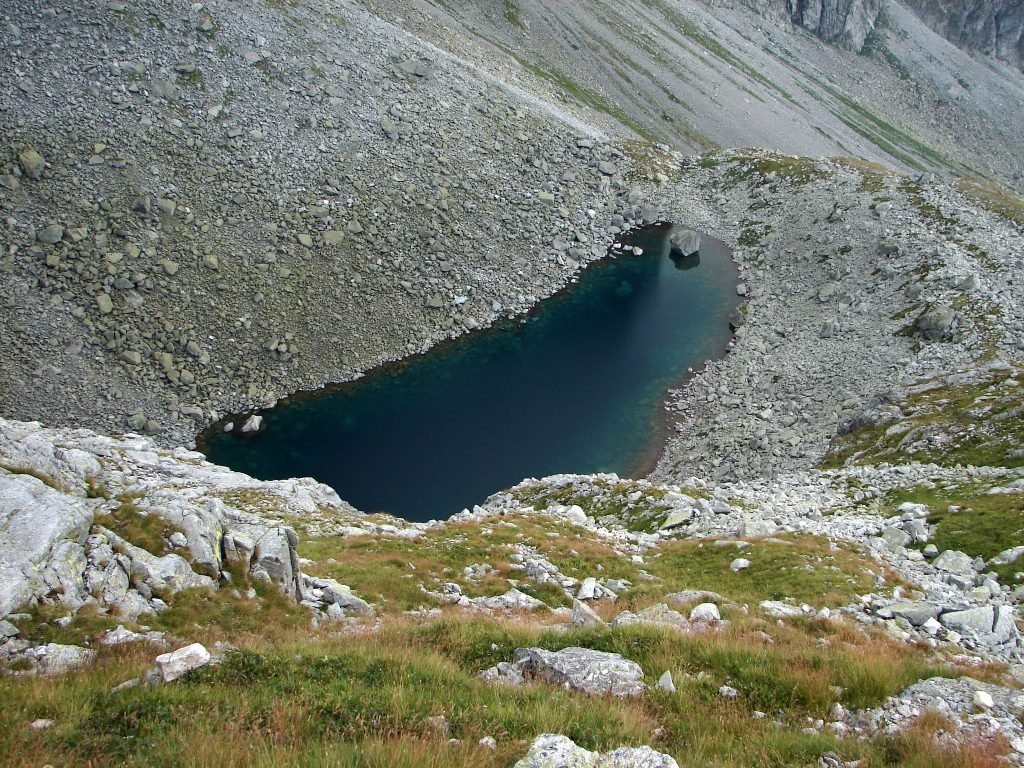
[[696, 75]]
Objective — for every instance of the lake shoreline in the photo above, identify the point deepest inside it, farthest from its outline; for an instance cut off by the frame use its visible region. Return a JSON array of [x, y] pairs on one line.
[[662, 422]]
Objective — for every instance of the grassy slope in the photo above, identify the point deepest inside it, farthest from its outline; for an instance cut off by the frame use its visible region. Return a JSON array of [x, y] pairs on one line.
[[293, 695]]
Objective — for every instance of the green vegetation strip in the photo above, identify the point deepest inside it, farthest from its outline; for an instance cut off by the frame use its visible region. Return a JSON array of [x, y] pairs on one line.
[[975, 424], [371, 700]]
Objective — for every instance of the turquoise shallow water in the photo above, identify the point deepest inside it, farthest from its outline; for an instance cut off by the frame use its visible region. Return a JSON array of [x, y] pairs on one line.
[[577, 387]]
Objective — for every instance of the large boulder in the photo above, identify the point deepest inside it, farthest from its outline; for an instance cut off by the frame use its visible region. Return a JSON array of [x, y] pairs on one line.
[[917, 612], [551, 750], [954, 561], [936, 322], [991, 624], [170, 572], [56, 659], [576, 669], [180, 662], [513, 600], [658, 615], [684, 242], [331, 592]]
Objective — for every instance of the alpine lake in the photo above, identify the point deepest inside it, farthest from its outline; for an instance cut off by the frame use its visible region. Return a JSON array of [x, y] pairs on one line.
[[578, 385]]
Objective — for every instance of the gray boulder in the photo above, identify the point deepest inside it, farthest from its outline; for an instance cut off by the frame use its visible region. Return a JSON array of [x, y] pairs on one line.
[[895, 538], [32, 163], [685, 242], [706, 612], [956, 562], [34, 519], [170, 572], [56, 659], [658, 615], [576, 669], [992, 624], [513, 600], [335, 593], [1007, 556], [180, 662], [583, 615], [780, 610], [916, 612], [550, 750], [936, 322]]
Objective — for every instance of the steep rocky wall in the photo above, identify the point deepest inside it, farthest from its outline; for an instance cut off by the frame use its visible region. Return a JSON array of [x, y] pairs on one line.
[[992, 27], [846, 22]]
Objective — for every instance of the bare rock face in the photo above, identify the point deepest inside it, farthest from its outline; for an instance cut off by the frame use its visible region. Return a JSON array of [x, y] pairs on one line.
[[846, 22], [991, 27], [59, 489], [41, 532]]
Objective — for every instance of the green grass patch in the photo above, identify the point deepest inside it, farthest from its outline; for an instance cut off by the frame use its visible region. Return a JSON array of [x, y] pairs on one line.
[[980, 524], [994, 197], [513, 14], [146, 530], [805, 569], [976, 424], [767, 168], [752, 233]]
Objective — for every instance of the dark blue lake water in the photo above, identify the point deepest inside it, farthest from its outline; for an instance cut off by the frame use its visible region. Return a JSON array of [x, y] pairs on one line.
[[577, 387]]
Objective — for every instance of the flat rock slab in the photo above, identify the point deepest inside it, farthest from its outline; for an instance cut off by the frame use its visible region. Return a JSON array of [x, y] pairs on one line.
[[576, 669], [551, 750], [56, 659], [916, 612], [992, 623], [33, 519]]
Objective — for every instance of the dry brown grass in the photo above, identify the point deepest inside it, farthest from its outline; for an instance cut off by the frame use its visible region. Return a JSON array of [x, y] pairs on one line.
[[934, 740], [995, 197]]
